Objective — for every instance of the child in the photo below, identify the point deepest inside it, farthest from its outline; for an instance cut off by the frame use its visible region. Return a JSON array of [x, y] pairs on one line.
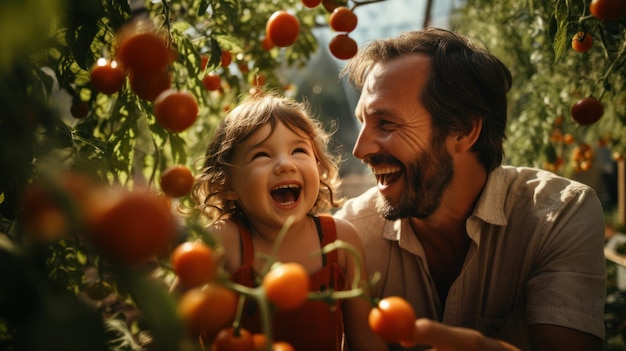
[[268, 161]]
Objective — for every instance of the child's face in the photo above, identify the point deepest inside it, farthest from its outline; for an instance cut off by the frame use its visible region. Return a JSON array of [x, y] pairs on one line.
[[275, 177]]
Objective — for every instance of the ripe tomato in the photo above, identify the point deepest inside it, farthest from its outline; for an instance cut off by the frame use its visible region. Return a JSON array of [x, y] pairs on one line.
[[142, 50], [311, 3], [607, 10], [208, 308], [343, 47], [177, 181], [260, 342], [79, 109], [227, 58], [393, 319], [130, 228], [107, 76], [330, 5], [175, 110], [149, 86], [587, 111], [194, 263], [212, 81], [342, 19], [286, 285], [582, 42], [282, 346], [282, 28], [226, 340]]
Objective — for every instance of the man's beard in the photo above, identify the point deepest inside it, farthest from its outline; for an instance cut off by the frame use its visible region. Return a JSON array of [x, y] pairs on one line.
[[428, 177]]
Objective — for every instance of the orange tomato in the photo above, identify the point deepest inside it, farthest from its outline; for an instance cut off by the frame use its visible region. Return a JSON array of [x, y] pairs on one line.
[[393, 319], [228, 340], [342, 19], [177, 181], [194, 264], [286, 285], [107, 76], [282, 28], [208, 309], [582, 42]]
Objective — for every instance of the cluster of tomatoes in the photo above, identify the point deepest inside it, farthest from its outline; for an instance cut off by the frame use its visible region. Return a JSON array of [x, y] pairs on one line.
[[144, 56]]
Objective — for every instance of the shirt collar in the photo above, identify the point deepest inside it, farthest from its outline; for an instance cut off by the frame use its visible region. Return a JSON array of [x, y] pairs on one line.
[[490, 205]]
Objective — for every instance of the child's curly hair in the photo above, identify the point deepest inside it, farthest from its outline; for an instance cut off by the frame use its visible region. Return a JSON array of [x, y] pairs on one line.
[[242, 122]]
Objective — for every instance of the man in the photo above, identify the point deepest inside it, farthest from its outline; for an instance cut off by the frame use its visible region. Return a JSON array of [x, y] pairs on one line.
[[489, 256]]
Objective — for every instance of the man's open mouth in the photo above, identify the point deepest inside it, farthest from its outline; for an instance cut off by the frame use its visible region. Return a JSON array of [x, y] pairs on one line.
[[387, 174], [286, 194]]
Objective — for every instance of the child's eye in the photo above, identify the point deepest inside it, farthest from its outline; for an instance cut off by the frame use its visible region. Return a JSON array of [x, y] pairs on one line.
[[301, 150], [260, 154]]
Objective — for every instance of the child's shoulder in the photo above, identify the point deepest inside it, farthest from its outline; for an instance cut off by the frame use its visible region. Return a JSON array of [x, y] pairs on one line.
[[226, 232]]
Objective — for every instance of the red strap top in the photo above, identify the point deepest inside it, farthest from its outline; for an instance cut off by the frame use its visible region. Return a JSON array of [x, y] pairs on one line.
[[316, 325]]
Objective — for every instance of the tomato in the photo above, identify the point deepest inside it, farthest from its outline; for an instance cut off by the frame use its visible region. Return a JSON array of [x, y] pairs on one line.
[[226, 340], [129, 228], [343, 47], [194, 263], [149, 86], [175, 110], [267, 44], [79, 109], [107, 76], [311, 3], [582, 42], [144, 52], [393, 319], [260, 342], [568, 139], [286, 285], [330, 5], [177, 181], [208, 308], [227, 58], [282, 28], [212, 81], [587, 111], [608, 10], [342, 19]]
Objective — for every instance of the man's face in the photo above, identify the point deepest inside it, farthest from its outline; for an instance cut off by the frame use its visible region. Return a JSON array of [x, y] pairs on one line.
[[396, 139]]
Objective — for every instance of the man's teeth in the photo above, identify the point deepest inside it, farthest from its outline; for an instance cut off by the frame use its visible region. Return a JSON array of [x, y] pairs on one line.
[[385, 170]]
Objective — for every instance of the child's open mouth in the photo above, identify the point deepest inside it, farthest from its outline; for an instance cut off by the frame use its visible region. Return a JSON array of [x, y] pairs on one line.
[[286, 194]]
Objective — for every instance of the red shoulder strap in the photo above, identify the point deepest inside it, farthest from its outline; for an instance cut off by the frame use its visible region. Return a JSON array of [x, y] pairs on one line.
[[329, 235]]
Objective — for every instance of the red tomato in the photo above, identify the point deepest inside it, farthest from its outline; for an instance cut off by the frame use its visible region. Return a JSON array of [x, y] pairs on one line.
[[342, 19], [227, 58], [393, 319], [587, 111], [175, 110], [130, 228], [149, 86], [311, 3], [107, 76], [194, 263], [282, 28], [582, 42], [343, 47], [608, 10], [287, 285], [177, 181], [212, 81], [226, 340], [267, 44], [142, 50]]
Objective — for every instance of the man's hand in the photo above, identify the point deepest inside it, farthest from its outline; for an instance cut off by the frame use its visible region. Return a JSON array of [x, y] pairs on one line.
[[441, 337]]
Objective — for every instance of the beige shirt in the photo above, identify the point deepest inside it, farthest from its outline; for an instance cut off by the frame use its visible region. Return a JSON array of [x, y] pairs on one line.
[[536, 257]]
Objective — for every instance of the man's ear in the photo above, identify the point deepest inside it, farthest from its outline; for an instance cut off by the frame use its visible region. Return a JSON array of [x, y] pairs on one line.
[[465, 141]]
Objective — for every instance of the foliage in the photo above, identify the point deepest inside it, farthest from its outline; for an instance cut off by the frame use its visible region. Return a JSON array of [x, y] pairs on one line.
[[533, 38]]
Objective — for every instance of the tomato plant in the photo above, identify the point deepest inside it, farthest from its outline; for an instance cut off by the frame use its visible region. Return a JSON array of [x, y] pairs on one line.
[[393, 319], [107, 76], [342, 47], [232, 339], [194, 263], [342, 19], [286, 285], [282, 28], [175, 110], [582, 42], [208, 309], [177, 181], [607, 10], [587, 111]]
